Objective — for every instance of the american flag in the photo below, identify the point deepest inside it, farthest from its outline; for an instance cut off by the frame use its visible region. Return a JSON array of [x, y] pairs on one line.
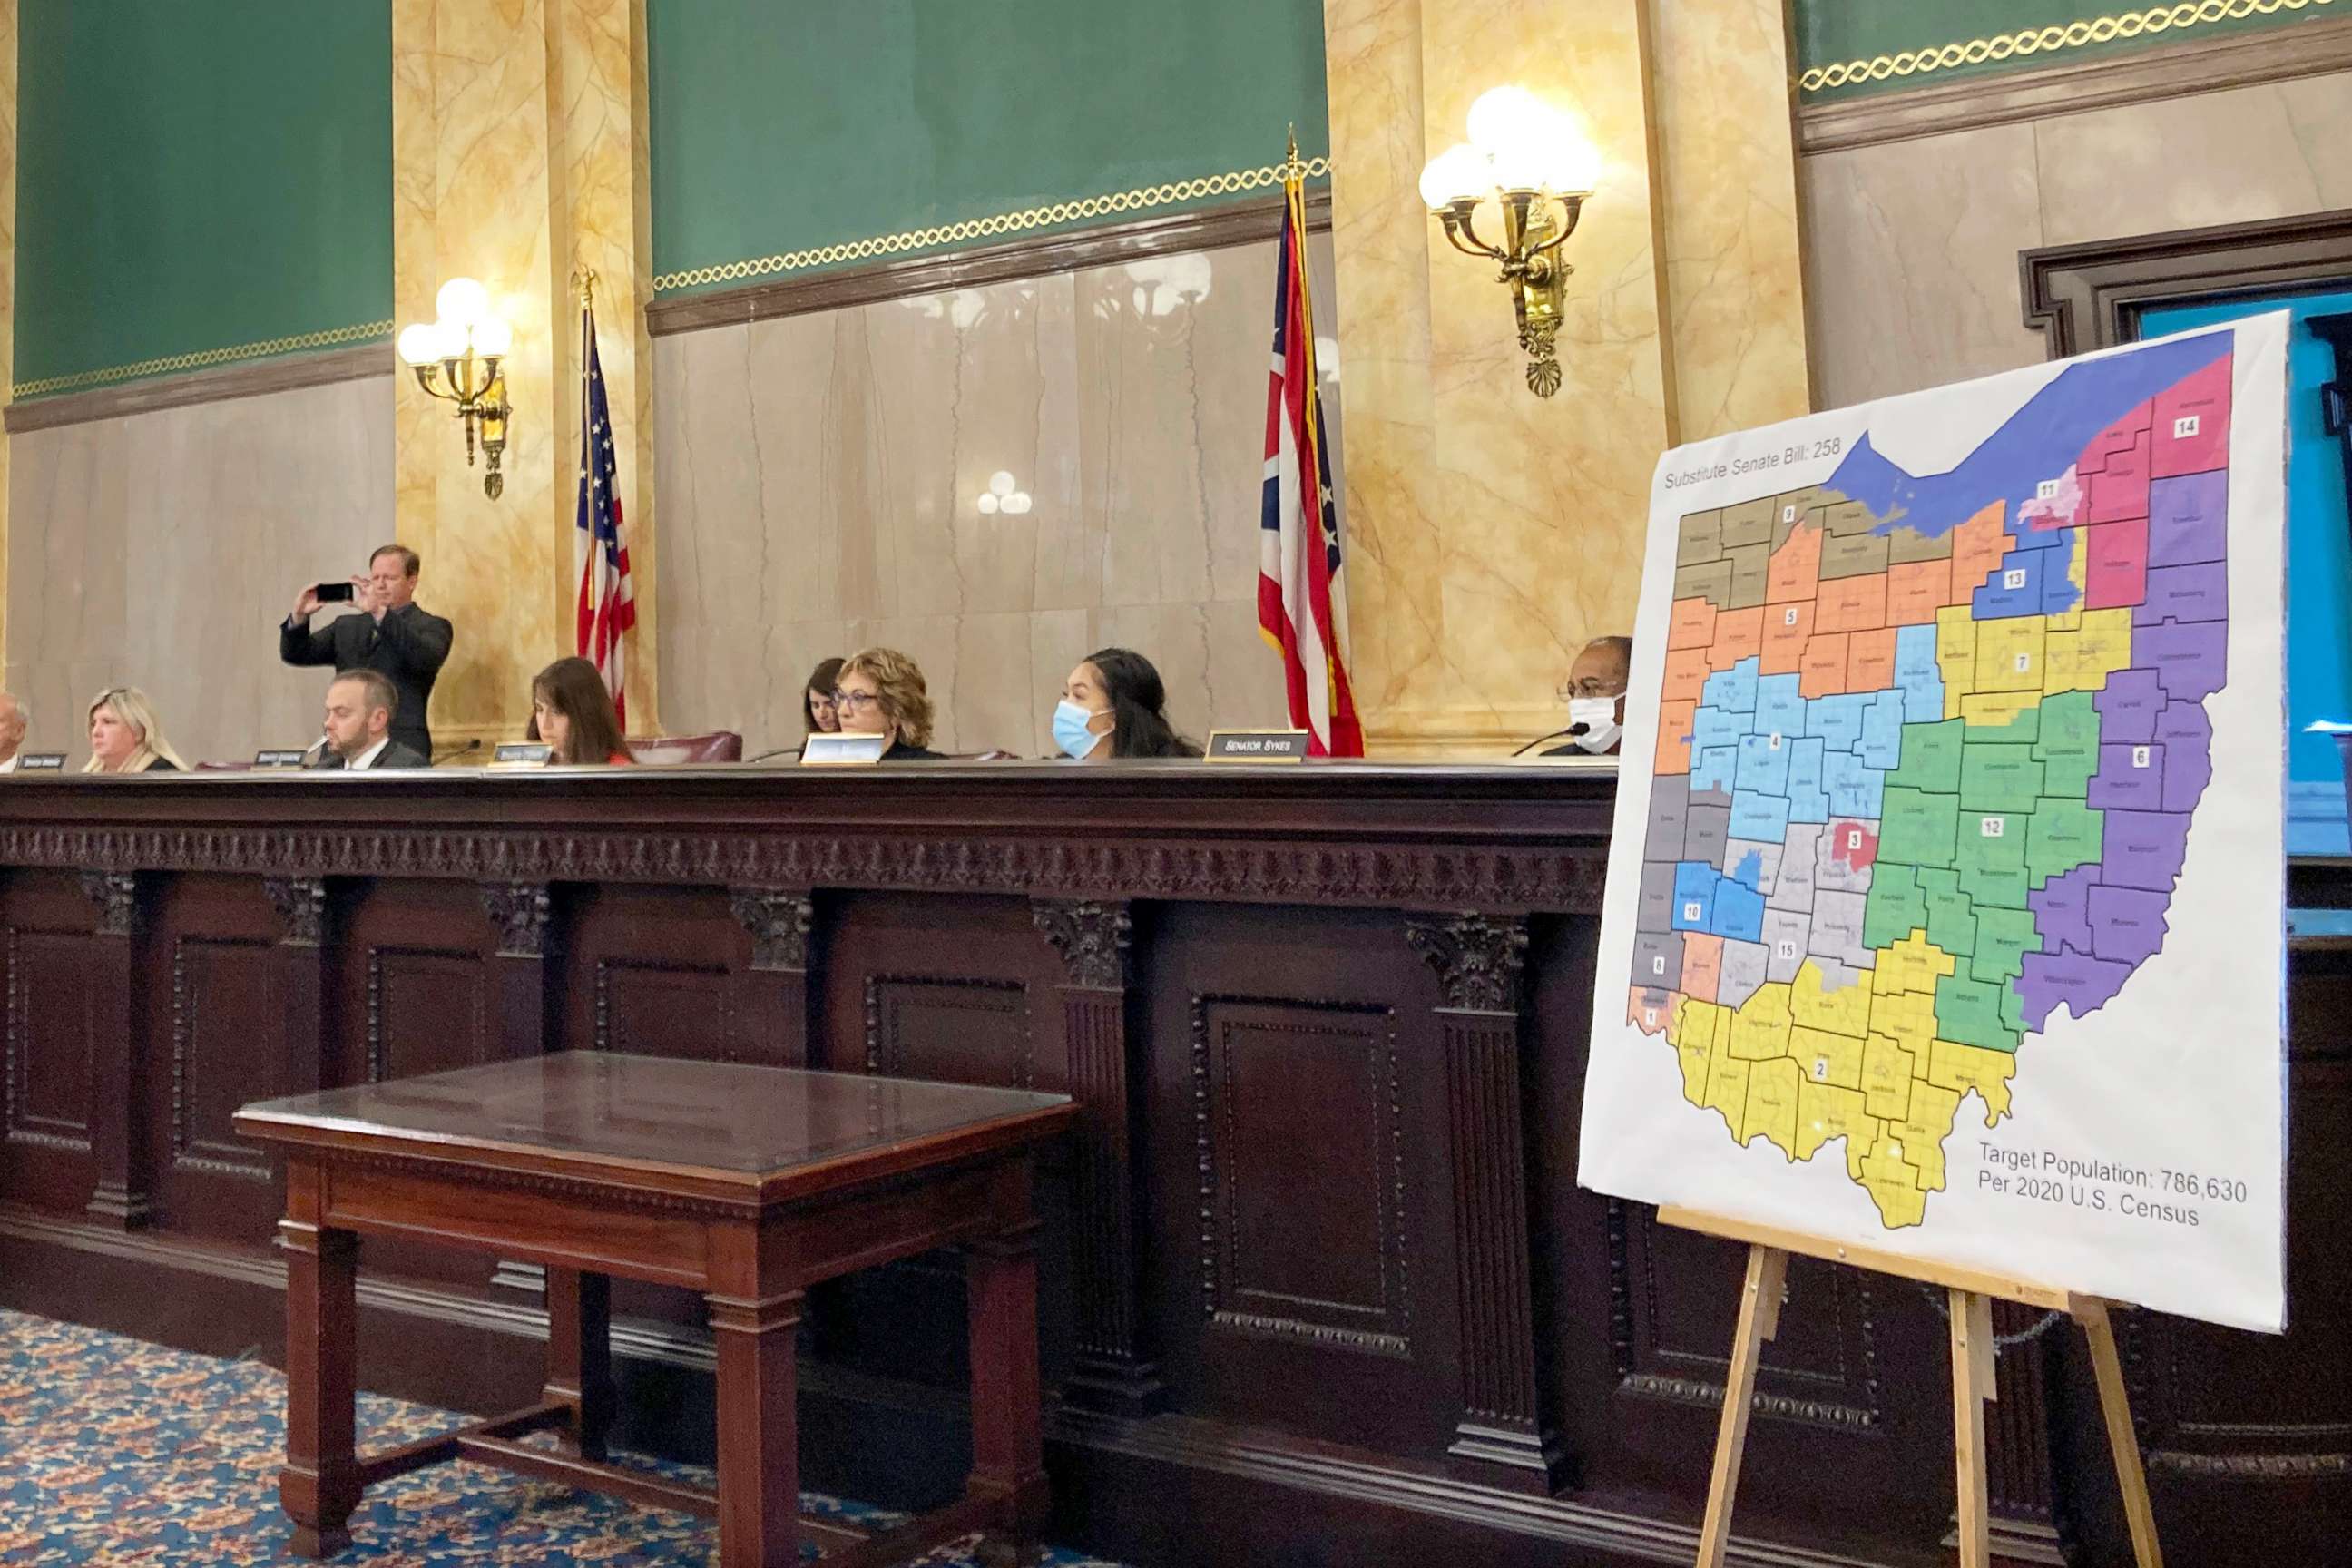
[[1302, 599], [608, 607]]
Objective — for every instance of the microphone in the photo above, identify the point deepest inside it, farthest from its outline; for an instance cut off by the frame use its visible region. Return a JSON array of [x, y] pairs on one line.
[[473, 745], [779, 752], [1569, 734]]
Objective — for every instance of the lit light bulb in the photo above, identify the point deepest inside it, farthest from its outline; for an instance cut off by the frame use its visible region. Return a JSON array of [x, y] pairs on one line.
[[1461, 172], [493, 337], [463, 301], [1507, 119], [449, 340], [988, 503], [420, 343], [1017, 502], [1001, 482]]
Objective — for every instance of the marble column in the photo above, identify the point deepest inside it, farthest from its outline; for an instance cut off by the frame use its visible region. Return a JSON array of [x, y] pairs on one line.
[[519, 156], [1495, 531]]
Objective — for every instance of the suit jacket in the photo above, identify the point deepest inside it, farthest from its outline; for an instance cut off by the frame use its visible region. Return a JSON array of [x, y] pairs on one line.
[[393, 755], [408, 648]]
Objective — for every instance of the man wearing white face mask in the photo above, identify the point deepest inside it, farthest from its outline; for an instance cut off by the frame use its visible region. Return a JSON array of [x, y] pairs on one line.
[[1596, 698]]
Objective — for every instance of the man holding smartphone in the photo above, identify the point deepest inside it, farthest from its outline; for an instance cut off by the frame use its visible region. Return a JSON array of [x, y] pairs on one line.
[[391, 635]]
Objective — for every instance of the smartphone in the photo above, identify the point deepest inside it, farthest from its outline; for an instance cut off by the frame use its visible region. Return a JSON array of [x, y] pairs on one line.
[[327, 592]]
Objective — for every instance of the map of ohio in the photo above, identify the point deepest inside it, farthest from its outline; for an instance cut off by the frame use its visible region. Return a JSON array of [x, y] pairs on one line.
[[1929, 750]]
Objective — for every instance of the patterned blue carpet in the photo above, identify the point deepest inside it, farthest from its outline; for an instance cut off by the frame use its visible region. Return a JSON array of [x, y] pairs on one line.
[[117, 1452]]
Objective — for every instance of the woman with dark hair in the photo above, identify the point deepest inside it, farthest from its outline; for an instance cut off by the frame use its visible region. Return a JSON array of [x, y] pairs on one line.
[[573, 712], [1113, 707], [816, 699]]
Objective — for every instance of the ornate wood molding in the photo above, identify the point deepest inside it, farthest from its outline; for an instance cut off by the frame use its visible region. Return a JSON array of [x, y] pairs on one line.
[[2092, 296], [2176, 70], [521, 912], [1092, 939], [1206, 228], [115, 895], [255, 378], [1480, 959], [1375, 874], [301, 905], [780, 921]]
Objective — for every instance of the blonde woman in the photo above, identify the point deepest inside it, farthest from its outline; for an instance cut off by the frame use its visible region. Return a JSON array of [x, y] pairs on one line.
[[126, 737], [880, 692]]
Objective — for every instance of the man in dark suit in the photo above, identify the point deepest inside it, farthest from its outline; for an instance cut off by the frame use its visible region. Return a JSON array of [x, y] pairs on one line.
[[391, 635], [360, 710]]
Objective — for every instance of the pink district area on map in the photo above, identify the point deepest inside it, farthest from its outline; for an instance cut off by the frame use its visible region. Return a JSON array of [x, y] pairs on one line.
[[1929, 751]]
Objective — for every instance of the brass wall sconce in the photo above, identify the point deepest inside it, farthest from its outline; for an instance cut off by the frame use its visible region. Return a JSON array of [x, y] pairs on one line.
[[458, 358], [1537, 167]]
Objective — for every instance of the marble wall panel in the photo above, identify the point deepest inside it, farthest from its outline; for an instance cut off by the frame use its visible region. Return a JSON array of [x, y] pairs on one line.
[[1912, 247], [162, 550], [2239, 156], [1911, 261], [821, 476]]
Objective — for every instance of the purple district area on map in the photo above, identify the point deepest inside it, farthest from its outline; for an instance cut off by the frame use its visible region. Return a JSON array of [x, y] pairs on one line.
[[2099, 921], [2128, 707], [2127, 924], [2195, 593], [2190, 658], [2061, 911], [2187, 519], [2081, 983]]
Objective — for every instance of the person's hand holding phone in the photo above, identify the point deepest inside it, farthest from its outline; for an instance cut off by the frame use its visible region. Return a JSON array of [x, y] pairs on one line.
[[306, 604], [367, 597]]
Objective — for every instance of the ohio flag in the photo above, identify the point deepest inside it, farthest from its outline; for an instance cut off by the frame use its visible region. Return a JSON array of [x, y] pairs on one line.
[[1302, 599], [607, 605]]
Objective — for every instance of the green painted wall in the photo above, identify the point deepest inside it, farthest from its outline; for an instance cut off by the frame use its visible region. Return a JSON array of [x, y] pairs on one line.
[[198, 175], [779, 125], [1832, 32]]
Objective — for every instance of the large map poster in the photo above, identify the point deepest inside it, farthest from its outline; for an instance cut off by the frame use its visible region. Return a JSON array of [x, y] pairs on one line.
[[1945, 902]]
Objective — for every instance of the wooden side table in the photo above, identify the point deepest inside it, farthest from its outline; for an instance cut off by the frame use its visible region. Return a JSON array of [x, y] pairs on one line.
[[747, 1184]]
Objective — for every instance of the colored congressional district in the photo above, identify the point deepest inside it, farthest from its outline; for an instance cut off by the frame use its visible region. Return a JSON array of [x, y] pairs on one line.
[[1929, 749]]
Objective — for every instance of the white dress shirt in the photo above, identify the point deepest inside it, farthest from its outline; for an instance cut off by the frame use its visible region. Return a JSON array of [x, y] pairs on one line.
[[367, 759]]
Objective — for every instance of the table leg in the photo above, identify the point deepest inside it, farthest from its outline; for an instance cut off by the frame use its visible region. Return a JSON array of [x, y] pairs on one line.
[[320, 1484], [1008, 1447], [580, 1354], [759, 1432]]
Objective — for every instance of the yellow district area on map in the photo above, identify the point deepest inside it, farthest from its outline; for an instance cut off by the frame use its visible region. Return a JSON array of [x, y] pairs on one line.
[[1994, 670], [1800, 1064]]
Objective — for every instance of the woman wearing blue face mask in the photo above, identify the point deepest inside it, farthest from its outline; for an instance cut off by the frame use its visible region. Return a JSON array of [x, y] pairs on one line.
[[1113, 707]]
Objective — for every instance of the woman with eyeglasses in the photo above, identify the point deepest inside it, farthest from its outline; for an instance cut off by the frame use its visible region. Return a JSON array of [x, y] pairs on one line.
[[816, 699], [126, 736], [880, 692]]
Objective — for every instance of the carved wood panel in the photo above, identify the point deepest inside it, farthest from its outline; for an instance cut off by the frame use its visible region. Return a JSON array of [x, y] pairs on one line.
[[665, 1008], [1297, 1115], [52, 1039], [226, 994], [959, 1029], [427, 1009], [1670, 1327]]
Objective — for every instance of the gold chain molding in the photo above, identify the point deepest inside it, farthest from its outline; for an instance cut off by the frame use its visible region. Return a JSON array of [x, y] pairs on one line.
[[360, 333], [1140, 200], [2044, 40]]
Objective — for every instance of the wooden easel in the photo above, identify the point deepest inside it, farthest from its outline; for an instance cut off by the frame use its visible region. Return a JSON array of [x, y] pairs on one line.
[[1973, 1293]]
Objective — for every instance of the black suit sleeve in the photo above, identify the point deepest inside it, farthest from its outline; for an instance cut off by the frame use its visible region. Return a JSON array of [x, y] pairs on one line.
[[418, 642], [297, 644]]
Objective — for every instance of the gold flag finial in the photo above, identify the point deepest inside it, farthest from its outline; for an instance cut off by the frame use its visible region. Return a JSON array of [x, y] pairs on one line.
[[1292, 170]]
